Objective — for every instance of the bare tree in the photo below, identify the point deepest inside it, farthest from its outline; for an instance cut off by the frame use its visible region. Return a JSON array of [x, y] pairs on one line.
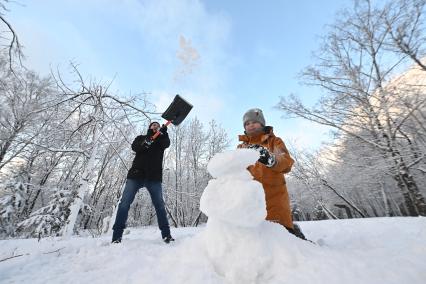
[[405, 22], [9, 37], [185, 175], [355, 67], [94, 103], [24, 97], [72, 145], [312, 172]]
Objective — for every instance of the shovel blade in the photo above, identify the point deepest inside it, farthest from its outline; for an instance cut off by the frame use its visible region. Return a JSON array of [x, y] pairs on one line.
[[177, 110]]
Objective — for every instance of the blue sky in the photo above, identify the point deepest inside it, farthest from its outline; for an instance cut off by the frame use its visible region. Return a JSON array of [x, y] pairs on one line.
[[239, 54]]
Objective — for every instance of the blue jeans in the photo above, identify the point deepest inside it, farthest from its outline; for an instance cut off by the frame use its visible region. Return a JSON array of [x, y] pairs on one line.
[[129, 193]]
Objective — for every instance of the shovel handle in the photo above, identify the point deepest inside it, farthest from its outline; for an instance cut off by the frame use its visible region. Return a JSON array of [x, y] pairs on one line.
[[158, 132]]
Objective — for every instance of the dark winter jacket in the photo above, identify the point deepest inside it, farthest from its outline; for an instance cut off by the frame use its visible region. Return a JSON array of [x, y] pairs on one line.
[[148, 163]]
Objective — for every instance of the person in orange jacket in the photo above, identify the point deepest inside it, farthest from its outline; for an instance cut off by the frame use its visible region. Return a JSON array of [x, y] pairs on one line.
[[269, 170]]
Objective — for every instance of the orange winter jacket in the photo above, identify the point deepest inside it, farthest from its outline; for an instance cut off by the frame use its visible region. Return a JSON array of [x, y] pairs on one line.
[[272, 179]]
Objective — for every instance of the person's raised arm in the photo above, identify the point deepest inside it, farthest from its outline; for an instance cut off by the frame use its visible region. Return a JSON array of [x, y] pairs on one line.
[[164, 139]]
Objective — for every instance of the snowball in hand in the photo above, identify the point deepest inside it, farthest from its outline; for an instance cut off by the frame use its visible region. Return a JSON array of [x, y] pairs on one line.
[[234, 197]]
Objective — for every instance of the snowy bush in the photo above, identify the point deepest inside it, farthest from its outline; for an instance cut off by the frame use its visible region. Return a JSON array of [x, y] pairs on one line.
[[50, 219], [12, 204]]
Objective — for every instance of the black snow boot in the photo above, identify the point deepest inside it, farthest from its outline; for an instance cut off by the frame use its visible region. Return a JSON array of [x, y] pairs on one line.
[[168, 239], [116, 236], [297, 232]]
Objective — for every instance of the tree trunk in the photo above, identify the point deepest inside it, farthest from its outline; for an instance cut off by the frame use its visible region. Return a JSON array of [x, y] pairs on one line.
[[347, 210], [414, 200], [175, 223], [385, 200], [197, 220], [325, 183], [83, 186]]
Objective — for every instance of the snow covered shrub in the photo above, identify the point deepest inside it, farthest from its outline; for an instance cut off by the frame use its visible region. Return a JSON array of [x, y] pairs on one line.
[[14, 196], [50, 219]]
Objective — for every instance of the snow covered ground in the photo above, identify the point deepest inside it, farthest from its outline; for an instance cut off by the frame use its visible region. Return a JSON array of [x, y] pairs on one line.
[[379, 250], [236, 246]]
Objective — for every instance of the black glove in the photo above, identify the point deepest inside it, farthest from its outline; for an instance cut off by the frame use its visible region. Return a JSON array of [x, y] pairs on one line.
[[265, 157], [150, 132], [163, 129]]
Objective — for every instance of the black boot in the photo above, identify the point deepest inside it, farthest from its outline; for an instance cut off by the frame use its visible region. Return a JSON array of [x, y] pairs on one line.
[[116, 236], [168, 239], [297, 232]]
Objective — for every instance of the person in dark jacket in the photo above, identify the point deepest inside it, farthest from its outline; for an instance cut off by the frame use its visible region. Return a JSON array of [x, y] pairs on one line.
[[146, 171]]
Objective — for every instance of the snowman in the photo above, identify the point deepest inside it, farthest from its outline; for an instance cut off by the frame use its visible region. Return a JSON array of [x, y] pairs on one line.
[[238, 241]]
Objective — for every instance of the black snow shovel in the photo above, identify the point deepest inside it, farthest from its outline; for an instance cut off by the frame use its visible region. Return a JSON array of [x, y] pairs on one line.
[[175, 113]]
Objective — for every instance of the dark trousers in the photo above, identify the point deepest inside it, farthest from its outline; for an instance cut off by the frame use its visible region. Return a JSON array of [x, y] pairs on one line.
[[129, 193]]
